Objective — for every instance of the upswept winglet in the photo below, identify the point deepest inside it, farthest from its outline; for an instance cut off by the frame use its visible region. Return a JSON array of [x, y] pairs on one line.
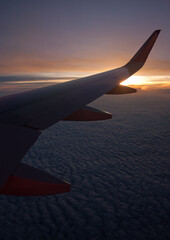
[[140, 57]]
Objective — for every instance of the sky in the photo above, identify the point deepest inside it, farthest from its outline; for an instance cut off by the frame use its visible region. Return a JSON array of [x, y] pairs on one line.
[[118, 169], [79, 38]]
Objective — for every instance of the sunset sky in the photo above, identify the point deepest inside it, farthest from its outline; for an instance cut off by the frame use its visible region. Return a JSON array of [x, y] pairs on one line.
[[78, 38]]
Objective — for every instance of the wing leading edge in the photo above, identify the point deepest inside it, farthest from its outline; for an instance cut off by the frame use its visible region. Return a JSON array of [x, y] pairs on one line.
[[23, 115]]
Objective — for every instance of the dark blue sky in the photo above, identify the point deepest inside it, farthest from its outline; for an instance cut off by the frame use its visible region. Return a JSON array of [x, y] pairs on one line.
[[71, 37]]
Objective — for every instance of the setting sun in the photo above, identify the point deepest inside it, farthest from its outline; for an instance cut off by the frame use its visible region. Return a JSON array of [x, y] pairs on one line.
[[147, 81], [136, 80]]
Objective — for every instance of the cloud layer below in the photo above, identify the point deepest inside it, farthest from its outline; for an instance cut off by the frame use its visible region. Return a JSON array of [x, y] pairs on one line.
[[118, 169]]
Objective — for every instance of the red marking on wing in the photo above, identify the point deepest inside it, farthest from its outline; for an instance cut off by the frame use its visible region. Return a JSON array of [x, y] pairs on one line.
[[19, 186], [88, 114]]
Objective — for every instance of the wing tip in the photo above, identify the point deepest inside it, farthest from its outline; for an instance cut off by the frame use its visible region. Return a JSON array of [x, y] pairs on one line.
[[157, 31]]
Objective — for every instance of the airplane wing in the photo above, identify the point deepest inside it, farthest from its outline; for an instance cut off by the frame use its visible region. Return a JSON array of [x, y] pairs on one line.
[[24, 115]]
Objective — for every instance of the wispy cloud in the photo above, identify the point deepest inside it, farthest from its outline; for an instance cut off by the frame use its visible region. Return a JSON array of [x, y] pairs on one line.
[[87, 65]]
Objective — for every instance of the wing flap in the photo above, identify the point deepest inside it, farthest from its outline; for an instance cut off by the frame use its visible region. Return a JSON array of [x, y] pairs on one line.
[[88, 114], [122, 90]]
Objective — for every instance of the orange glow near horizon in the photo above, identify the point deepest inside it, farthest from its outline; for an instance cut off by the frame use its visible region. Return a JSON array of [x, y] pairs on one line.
[[138, 81], [147, 82]]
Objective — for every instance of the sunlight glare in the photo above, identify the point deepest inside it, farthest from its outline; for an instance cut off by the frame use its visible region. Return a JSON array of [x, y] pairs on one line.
[[135, 80], [148, 81]]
